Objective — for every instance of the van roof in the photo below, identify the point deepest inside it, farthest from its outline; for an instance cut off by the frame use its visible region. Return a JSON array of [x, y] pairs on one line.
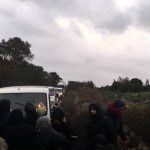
[[24, 89], [50, 87]]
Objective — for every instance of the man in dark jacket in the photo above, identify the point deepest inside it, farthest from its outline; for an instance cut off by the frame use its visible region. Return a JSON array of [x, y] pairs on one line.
[[60, 124], [115, 112], [99, 126], [18, 135]]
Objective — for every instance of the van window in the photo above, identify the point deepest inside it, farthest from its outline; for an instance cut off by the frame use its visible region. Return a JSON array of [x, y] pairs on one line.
[[19, 100]]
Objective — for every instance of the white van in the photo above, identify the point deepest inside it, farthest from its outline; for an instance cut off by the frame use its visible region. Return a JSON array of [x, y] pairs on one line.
[[19, 96], [52, 93]]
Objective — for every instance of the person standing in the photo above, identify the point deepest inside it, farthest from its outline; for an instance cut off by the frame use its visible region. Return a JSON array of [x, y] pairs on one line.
[[18, 135], [99, 128], [115, 113]]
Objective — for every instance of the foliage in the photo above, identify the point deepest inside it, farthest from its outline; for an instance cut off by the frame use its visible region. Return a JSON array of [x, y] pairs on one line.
[[15, 68], [53, 78], [123, 85], [147, 82], [76, 103], [15, 50], [137, 118], [136, 85], [73, 85]]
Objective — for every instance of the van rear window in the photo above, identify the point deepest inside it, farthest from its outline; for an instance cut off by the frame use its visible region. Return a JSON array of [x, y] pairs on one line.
[[19, 100]]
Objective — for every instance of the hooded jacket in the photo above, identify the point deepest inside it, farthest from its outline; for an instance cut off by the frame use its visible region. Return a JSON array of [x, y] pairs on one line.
[[99, 125], [18, 135]]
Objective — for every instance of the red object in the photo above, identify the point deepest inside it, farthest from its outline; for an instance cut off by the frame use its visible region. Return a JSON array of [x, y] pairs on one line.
[[113, 109]]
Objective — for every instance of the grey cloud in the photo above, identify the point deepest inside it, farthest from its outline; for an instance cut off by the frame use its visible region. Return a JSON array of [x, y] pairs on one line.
[[65, 51], [101, 72], [6, 13], [117, 23], [142, 14], [102, 13], [19, 22]]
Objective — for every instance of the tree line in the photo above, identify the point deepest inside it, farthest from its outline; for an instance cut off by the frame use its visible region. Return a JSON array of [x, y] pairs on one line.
[[74, 85], [16, 67], [123, 85]]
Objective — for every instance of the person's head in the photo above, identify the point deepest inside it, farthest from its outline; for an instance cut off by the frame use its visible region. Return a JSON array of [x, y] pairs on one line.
[[120, 105], [16, 117], [30, 109], [94, 110], [43, 123]]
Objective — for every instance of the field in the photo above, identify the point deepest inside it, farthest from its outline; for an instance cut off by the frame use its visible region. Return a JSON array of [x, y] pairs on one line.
[[136, 117]]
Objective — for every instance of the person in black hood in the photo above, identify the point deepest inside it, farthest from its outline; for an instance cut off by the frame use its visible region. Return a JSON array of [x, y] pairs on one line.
[[95, 112], [61, 125], [99, 126], [18, 135], [31, 114]]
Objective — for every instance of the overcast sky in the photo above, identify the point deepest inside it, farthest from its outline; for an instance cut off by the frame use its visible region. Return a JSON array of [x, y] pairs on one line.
[[81, 40]]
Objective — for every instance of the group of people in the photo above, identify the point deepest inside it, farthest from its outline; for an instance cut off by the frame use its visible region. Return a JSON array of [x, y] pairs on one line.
[[34, 132], [104, 127], [30, 131]]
